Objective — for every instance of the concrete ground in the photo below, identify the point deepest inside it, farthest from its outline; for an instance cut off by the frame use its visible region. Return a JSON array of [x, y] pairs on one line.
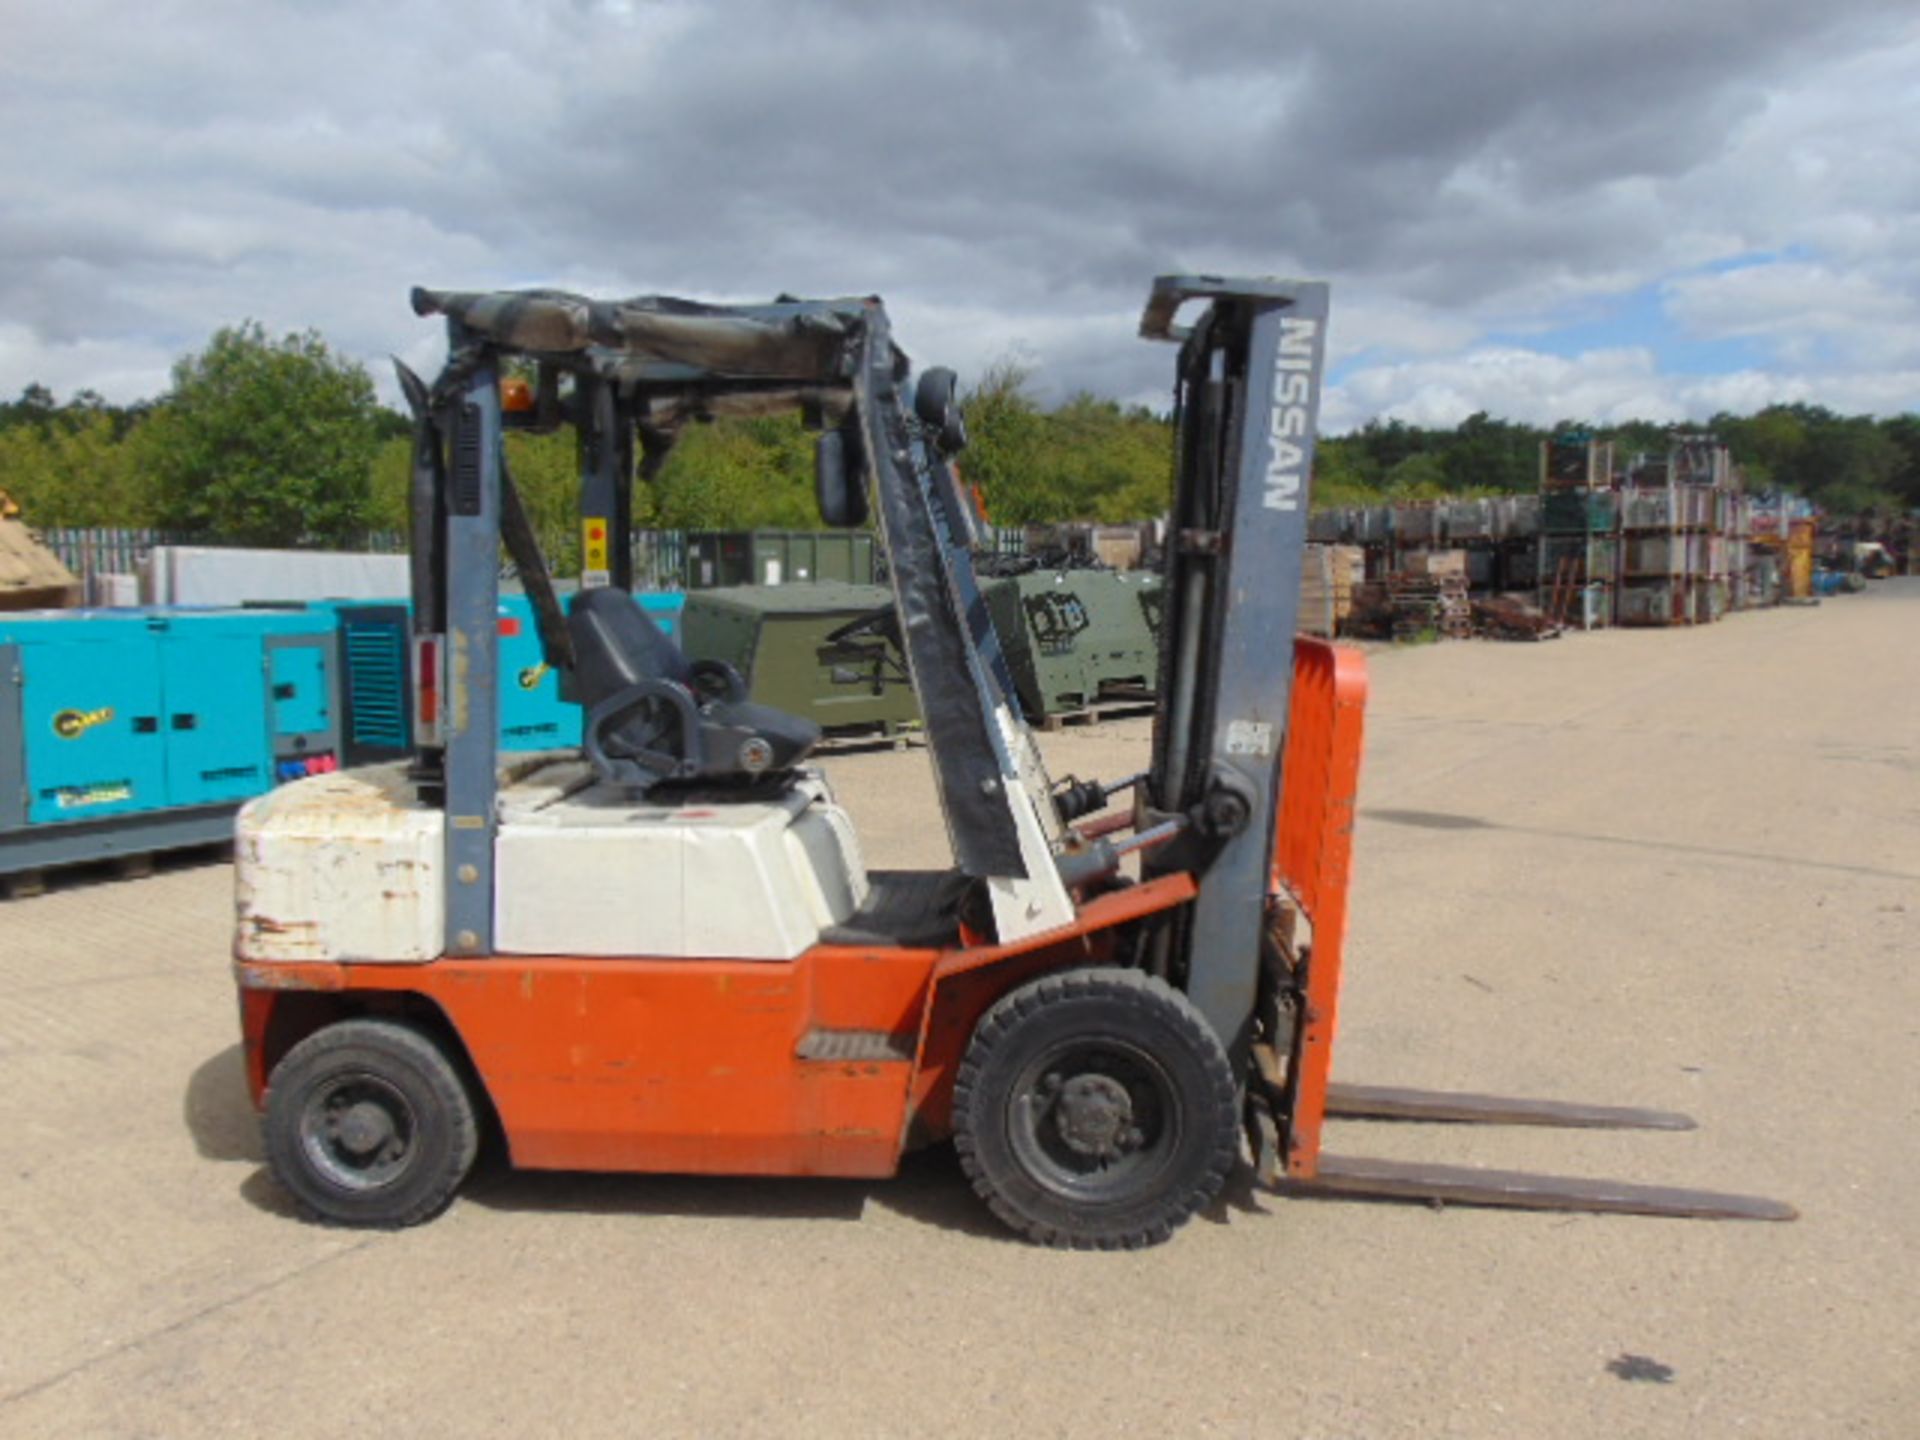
[[1673, 869]]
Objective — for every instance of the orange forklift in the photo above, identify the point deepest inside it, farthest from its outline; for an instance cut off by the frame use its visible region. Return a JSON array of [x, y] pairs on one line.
[[665, 952]]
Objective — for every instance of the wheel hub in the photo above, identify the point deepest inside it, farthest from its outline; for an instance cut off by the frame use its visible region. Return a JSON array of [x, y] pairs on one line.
[[1094, 1116], [364, 1128]]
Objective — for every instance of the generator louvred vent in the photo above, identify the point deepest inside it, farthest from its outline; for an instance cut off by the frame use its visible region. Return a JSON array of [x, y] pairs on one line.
[[376, 681]]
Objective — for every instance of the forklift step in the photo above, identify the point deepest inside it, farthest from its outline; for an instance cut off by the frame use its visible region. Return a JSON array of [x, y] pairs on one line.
[[849, 1046], [1519, 1189], [1392, 1102]]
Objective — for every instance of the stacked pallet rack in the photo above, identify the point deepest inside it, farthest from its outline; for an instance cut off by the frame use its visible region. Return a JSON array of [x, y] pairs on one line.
[[1415, 527], [1745, 591], [1427, 596], [1474, 528], [1517, 547], [1703, 470], [1676, 512], [1579, 531]]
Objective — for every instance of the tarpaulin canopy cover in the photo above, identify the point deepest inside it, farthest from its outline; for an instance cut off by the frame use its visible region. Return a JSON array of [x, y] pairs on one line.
[[31, 576], [692, 358]]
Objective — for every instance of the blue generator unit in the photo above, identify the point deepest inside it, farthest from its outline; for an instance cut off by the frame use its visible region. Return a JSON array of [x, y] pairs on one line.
[[129, 731], [377, 688]]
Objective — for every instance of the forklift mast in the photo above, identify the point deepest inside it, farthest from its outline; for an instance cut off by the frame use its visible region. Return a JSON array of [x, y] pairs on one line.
[[1248, 393]]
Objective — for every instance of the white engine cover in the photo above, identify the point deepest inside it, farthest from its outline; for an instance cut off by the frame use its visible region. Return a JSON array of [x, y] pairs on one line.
[[350, 866], [591, 872]]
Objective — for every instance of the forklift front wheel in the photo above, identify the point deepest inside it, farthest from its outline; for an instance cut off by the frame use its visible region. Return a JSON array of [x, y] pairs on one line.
[[367, 1124], [1095, 1109]]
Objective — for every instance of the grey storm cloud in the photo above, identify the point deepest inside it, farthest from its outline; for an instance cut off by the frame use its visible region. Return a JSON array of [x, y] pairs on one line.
[[1008, 175]]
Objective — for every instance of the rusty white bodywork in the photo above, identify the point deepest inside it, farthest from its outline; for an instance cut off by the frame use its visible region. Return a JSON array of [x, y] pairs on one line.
[[347, 866], [351, 867]]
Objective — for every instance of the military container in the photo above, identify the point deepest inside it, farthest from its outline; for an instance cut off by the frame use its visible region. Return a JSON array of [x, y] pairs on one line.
[[1076, 638], [728, 558], [780, 638]]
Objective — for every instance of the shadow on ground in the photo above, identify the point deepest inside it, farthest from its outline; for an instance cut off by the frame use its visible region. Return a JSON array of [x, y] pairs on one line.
[[1441, 820], [224, 1127], [1429, 819], [930, 1186], [217, 1112]]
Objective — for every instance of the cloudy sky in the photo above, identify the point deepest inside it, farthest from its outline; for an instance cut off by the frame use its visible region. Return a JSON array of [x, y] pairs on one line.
[[1540, 208]]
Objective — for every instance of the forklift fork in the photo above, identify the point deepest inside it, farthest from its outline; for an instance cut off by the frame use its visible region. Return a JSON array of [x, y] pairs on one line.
[[1524, 1190], [1293, 1095], [1363, 1177]]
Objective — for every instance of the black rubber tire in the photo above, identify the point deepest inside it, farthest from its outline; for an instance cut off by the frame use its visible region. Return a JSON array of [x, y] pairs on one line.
[[1112, 1022], [398, 1072]]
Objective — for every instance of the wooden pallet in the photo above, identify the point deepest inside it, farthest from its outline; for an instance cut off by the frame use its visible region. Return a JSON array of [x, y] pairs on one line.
[[29, 884], [1130, 709]]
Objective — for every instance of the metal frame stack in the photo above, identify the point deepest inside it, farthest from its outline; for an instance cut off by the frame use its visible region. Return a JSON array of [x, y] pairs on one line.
[[1579, 531], [1434, 604], [1677, 513], [1746, 590]]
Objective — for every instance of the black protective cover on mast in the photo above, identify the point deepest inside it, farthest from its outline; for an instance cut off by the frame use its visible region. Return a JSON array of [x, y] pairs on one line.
[[932, 576]]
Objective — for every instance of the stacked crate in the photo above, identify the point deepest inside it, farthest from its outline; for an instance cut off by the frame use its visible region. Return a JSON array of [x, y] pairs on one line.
[[1579, 544], [1744, 589], [1679, 521], [1427, 594], [1415, 526], [1517, 554], [1703, 469], [1474, 527], [1318, 607]]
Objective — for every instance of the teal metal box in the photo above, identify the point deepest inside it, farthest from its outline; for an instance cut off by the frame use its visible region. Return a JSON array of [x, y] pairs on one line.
[[131, 730], [377, 686]]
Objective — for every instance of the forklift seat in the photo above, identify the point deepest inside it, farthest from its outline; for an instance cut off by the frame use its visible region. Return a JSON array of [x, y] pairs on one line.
[[653, 716]]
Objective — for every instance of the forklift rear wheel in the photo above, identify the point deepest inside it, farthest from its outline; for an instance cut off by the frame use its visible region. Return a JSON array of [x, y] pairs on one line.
[[1095, 1109], [368, 1124]]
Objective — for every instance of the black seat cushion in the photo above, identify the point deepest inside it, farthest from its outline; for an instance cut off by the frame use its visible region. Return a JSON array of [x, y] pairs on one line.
[[617, 646]]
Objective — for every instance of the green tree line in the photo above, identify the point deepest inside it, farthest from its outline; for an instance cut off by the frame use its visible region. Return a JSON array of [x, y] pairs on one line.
[[279, 440]]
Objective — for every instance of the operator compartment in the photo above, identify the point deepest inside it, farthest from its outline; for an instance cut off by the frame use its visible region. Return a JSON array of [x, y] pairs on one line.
[[584, 868]]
